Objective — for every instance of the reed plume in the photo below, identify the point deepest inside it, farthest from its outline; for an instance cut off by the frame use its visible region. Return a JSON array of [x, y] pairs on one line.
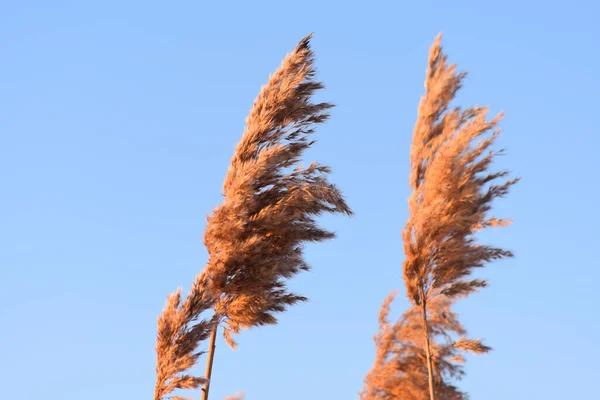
[[255, 237], [400, 369], [180, 330], [452, 192]]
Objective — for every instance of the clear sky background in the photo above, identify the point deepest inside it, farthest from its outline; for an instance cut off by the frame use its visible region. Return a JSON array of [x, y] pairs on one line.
[[117, 123]]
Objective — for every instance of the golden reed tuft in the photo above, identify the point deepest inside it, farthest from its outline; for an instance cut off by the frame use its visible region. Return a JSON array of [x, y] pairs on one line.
[[179, 333], [400, 370], [452, 192], [255, 237]]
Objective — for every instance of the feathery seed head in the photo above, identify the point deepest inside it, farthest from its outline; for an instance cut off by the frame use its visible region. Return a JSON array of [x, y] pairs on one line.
[[254, 238]]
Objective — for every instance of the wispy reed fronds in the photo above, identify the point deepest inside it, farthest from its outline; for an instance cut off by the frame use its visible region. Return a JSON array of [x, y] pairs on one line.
[[180, 330], [452, 189], [254, 238], [400, 368], [452, 192]]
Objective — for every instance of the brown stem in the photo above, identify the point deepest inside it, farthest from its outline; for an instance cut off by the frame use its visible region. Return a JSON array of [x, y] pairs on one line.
[[209, 362], [427, 346]]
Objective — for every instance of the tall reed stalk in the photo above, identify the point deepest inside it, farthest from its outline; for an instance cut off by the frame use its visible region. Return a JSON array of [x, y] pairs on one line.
[[452, 193], [255, 237]]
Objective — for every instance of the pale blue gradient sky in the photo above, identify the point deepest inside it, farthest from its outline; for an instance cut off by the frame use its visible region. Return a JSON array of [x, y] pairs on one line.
[[117, 122]]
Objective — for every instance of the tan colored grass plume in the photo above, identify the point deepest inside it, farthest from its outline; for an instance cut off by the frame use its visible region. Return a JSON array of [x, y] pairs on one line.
[[255, 237], [452, 193], [180, 330]]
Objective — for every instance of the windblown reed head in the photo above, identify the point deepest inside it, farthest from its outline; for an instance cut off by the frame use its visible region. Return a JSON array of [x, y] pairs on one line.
[[254, 238], [400, 369], [453, 189], [179, 333], [452, 193]]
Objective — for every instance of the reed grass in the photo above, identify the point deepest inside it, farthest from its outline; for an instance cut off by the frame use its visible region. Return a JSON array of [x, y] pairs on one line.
[[255, 237], [453, 188]]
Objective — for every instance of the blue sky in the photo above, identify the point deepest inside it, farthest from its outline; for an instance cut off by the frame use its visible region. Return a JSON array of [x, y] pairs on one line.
[[117, 123]]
